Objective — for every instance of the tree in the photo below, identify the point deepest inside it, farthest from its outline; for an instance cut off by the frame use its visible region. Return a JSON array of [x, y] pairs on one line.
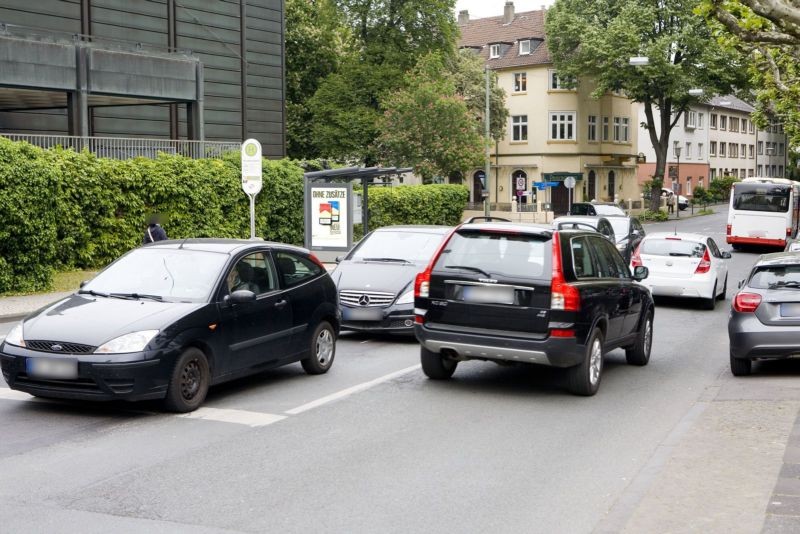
[[316, 39], [435, 124], [596, 38], [388, 37], [769, 32]]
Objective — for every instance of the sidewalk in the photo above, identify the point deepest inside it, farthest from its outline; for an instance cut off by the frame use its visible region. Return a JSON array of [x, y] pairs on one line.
[[15, 308]]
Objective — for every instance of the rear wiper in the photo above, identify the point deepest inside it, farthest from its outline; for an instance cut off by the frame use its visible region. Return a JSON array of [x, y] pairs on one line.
[[136, 296], [92, 292], [388, 260], [468, 268], [680, 254], [792, 284]]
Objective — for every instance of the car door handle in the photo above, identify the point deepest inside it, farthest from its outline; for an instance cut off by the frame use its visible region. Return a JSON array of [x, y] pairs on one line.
[[281, 304]]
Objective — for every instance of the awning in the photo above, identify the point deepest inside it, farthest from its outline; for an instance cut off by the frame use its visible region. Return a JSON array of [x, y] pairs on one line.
[[561, 176]]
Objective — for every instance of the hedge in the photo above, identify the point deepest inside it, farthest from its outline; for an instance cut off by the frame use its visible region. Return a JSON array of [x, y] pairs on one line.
[[61, 209]]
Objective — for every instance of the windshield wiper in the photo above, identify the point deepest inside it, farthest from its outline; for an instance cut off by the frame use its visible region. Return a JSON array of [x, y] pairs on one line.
[[791, 284], [136, 296], [469, 268], [387, 260], [680, 254], [92, 292]]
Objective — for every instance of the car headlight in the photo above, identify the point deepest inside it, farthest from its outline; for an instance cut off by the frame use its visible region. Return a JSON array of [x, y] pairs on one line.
[[15, 336], [133, 342], [406, 298]]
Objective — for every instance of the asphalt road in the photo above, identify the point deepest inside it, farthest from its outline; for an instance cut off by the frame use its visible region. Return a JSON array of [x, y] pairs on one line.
[[371, 446]]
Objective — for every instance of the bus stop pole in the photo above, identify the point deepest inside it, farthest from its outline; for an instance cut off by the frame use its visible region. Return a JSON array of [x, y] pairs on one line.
[[364, 209]]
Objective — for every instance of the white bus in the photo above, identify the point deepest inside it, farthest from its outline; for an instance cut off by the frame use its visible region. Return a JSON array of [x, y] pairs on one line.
[[763, 211]]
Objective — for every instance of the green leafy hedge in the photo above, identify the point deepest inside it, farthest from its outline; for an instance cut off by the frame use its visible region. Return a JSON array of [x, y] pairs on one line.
[[61, 209]]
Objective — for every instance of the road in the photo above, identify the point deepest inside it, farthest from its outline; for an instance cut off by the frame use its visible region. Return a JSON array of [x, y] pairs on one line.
[[373, 446]]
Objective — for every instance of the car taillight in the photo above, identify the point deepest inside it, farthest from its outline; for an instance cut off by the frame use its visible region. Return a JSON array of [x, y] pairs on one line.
[[562, 295], [636, 259], [728, 230], [422, 284], [788, 231], [746, 302], [705, 264]]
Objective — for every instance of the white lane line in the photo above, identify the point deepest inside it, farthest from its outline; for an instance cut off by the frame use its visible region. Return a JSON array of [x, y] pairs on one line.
[[366, 341], [10, 394], [351, 390], [239, 417]]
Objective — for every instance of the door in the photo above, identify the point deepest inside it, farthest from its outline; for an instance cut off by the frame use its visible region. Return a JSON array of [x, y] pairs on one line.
[[612, 185], [615, 304], [718, 264], [560, 199], [299, 279], [591, 187], [257, 332]]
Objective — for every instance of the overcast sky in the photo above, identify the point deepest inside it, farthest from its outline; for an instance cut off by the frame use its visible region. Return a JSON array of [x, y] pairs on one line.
[[493, 8]]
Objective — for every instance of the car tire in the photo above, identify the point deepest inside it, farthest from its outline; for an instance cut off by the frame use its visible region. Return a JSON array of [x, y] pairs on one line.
[[709, 303], [639, 353], [435, 366], [322, 350], [189, 382], [741, 367], [724, 293], [584, 378]]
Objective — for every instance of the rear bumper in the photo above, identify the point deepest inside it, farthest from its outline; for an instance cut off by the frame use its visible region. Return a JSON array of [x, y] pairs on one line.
[[763, 241], [695, 287], [552, 351], [750, 339]]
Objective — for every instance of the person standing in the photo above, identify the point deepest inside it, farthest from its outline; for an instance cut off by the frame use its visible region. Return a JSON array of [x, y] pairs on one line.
[[154, 231], [671, 203]]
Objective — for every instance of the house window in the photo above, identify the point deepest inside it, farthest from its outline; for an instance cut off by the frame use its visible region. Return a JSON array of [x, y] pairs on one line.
[[525, 47], [752, 151], [713, 123], [701, 179], [700, 120], [780, 150], [699, 150], [742, 174], [591, 129], [494, 51], [520, 82], [712, 148], [625, 129], [750, 173], [752, 127], [722, 147], [690, 119], [733, 150], [780, 171], [689, 185], [713, 174], [617, 129], [744, 125], [688, 150], [519, 128], [760, 150], [760, 170], [562, 126], [723, 122], [605, 129], [743, 149], [734, 125], [560, 82]]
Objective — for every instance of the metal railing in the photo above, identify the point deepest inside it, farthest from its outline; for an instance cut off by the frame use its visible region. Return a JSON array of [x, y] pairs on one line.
[[128, 148]]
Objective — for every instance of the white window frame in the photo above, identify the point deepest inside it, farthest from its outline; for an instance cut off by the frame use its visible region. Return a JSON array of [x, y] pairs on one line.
[[690, 120], [700, 120], [700, 151], [626, 130], [712, 148], [760, 150], [617, 129], [712, 121], [688, 150], [519, 128], [563, 121], [752, 151], [554, 81], [520, 82], [494, 51], [743, 151], [591, 128], [723, 149], [525, 47], [752, 127], [606, 129], [723, 122], [688, 186]]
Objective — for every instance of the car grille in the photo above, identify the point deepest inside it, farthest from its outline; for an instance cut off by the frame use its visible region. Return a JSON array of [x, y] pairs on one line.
[[365, 298], [66, 348], [82, 385]]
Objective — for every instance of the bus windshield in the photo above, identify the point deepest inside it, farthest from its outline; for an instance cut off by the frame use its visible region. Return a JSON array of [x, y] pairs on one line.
[[761, 197]]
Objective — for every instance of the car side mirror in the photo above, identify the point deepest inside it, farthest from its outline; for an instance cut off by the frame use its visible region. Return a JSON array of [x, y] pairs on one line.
[[726, 255], [640, 272], [339, 259], [240, 296]]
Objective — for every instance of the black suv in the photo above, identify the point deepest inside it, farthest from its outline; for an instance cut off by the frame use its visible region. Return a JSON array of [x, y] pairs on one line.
[[509, 292]]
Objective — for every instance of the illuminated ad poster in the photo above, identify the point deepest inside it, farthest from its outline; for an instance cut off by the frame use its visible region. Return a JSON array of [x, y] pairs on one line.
[[328, 216]]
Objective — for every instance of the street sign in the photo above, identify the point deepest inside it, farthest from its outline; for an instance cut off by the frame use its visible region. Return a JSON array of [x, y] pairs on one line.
[[520, 183], [541, 186], [251, 177], [569, 182]]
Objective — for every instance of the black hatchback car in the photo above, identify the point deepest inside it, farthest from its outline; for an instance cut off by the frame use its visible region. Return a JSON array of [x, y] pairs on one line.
[[168, 320], [519, 293]]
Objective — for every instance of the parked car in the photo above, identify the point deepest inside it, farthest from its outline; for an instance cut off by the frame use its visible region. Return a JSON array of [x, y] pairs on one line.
[[792, 245], [376, 279], [683, 202], [525, 294], [765, 314], [628, 233], [576, 222], [684, 265], [596, 208], [168, 320]]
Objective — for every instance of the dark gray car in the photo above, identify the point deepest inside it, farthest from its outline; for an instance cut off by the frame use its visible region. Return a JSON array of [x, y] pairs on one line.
[[765, 313]]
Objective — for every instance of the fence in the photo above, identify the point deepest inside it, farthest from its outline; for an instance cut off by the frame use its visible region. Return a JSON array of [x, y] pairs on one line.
[[127, 148]]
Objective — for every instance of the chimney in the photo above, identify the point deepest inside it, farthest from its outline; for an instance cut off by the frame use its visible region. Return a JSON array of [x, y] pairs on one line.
[[508, 12], [463, 16]]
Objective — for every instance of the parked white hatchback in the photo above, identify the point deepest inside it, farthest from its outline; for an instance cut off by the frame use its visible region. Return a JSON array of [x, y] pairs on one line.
[[683, 265]]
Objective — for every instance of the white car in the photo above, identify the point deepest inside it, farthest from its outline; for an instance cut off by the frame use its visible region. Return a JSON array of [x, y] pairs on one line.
[[683, 265]]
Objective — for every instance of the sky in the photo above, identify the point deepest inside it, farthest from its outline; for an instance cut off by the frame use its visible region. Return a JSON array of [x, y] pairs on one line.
[[493, 8]]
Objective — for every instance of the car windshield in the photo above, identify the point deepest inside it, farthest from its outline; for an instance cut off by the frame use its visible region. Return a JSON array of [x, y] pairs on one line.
[[620, 226], [672, 247], [605, 209], [496, 254], [775, 277], [396, 246], [172, 274]]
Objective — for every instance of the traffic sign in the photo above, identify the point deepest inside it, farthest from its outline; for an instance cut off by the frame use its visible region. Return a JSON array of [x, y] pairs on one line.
[[569, 182], [520, 183], [251, 167]]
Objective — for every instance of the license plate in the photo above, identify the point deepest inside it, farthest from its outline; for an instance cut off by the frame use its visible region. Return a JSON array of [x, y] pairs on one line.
[[488, 295], [64, 369], [359, 314], [790, 310]]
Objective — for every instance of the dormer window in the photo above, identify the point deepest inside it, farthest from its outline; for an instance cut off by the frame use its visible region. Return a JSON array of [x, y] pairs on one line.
[[525, 47], [494, 51]]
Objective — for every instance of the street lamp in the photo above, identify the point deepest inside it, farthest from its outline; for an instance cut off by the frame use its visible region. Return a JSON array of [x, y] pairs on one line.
[[639, 61], [677, 149], [696, 92]]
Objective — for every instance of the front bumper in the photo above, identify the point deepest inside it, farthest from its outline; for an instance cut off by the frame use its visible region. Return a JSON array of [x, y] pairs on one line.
[[750, 339], [102, 377], [391, 319], [551, 351]]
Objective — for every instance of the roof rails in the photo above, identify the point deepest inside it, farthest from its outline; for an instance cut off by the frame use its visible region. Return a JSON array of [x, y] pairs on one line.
[[485, 218]]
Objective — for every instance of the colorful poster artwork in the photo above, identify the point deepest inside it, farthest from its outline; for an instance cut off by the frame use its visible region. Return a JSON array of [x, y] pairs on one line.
[[329, 217]]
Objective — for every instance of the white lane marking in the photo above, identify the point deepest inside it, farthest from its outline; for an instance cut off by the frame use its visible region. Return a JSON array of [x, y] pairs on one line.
[[351, 390], [10, 394], [239, 417], [366, 341]]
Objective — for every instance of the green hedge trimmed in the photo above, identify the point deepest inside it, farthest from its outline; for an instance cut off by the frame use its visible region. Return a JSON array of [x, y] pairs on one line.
[[61, 209]]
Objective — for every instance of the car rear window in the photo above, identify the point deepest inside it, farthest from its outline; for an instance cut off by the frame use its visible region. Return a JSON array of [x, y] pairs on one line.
[[775, 276], [498, 254], [604, 209], [672, 247]]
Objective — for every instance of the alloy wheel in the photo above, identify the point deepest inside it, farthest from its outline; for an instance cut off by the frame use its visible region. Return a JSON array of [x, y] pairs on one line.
[[325, 346], [595, 362]]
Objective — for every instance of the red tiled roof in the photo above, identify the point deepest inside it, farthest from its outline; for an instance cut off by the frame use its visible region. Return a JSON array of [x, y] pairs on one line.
[[526, 25]]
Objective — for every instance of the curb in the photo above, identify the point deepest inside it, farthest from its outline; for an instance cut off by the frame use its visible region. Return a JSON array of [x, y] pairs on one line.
[[13, 317]]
